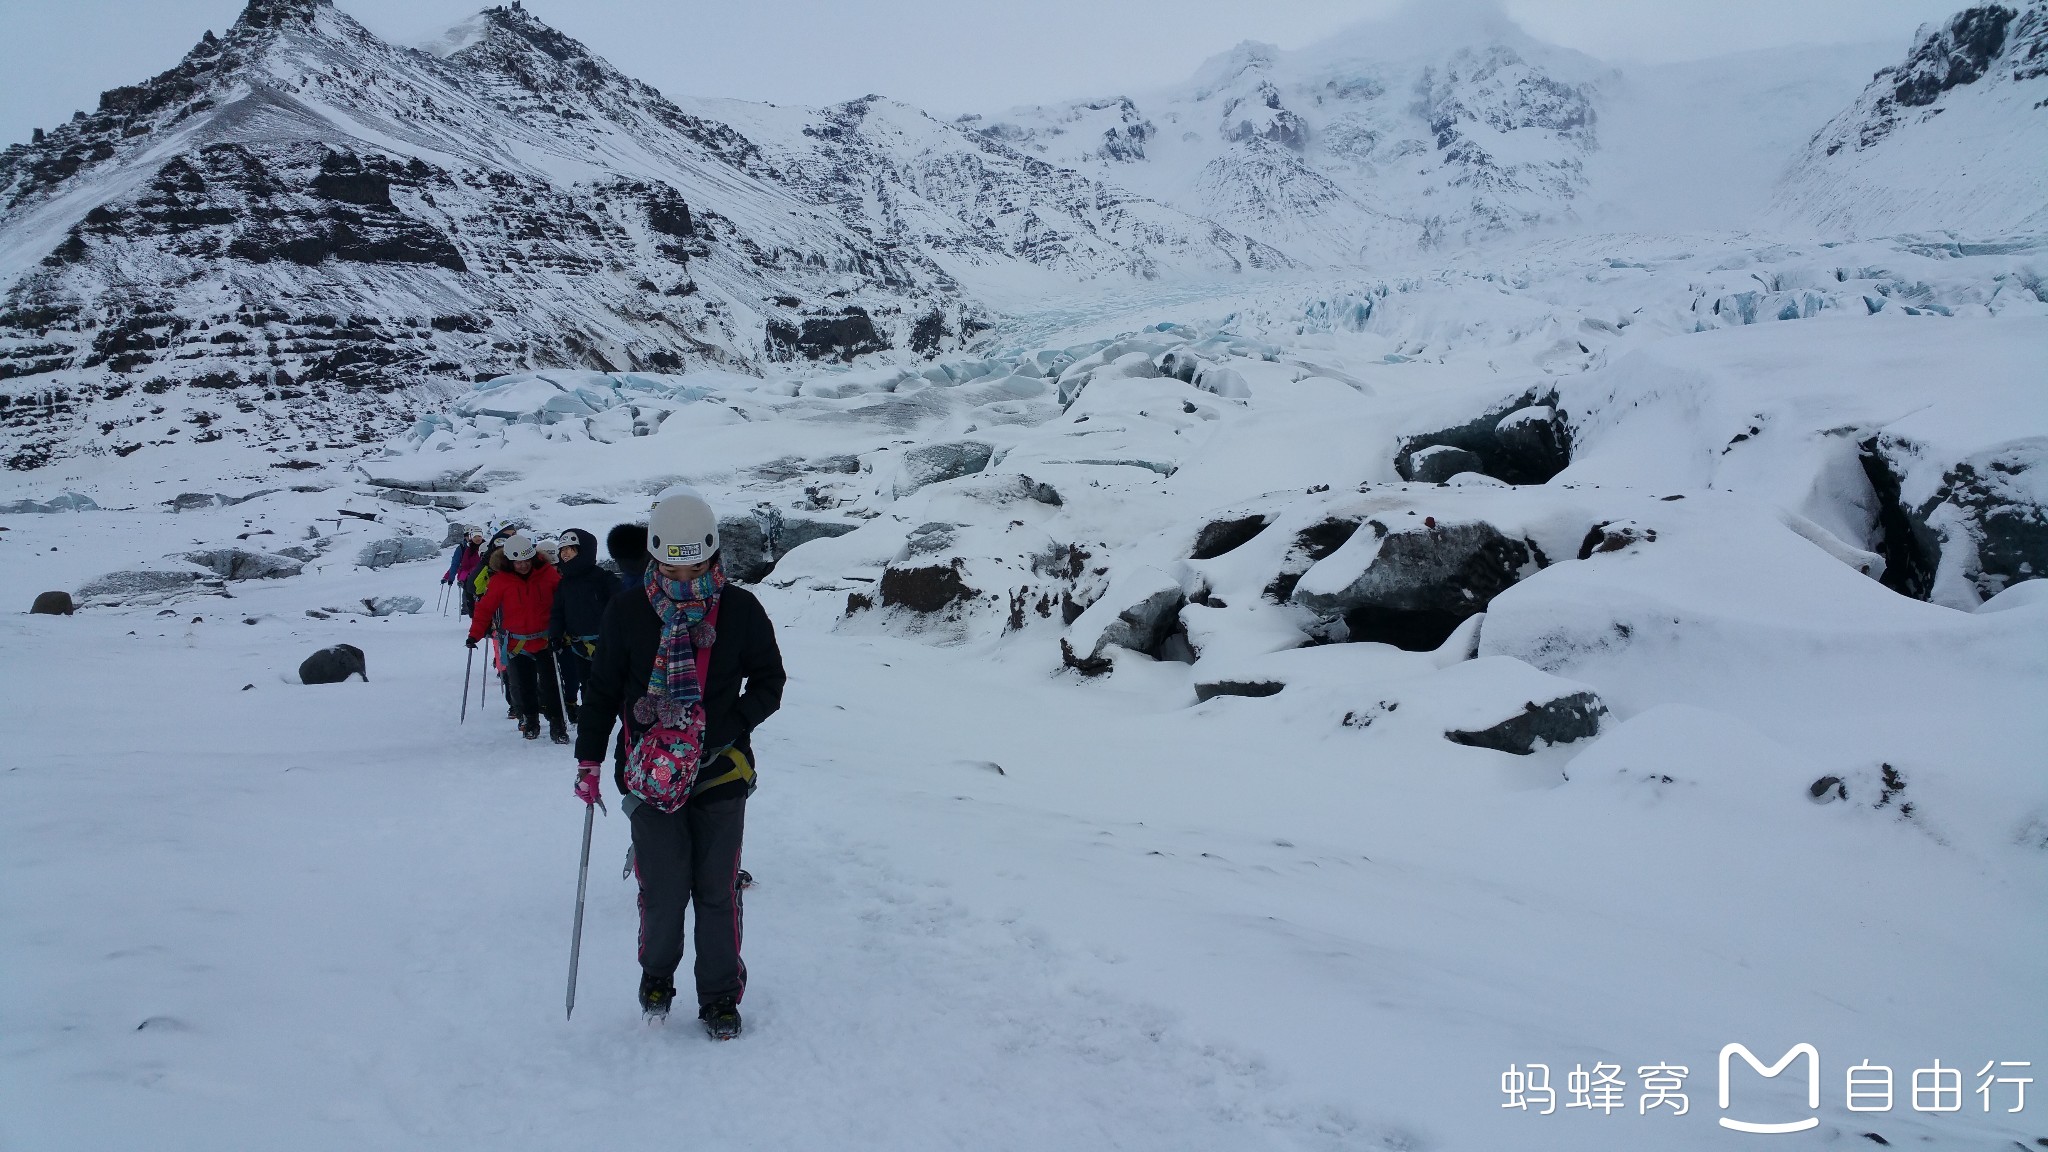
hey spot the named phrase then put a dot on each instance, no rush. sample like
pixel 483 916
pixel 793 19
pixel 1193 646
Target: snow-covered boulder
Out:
pixel 1440 462
pixel 2025 594
pixel 1139 611
pixel 147 585
pixel 68 502
pixel 933 463
pixel 1526 440
pixel 244 564
pixel 397 550
pixel 1412 584
pixel 422 474
pixel 392 605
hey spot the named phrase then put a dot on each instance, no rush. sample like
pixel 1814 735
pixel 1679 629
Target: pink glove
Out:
pixel 587 788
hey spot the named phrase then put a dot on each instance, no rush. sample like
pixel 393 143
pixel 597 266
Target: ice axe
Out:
pixel 467 664
pixel 582 881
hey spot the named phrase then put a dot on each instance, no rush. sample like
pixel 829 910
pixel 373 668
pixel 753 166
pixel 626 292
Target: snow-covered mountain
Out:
pixel 1955 138
pixel 1439 127
pixel 304 222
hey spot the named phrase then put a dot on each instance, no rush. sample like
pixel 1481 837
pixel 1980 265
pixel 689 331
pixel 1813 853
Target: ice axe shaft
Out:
pixel 576 933
pixel 467 665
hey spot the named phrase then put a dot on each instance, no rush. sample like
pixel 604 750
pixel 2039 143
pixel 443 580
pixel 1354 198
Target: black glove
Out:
pixel 469 643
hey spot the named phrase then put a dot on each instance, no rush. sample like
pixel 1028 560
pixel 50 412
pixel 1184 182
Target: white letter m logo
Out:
pixel 1785 1061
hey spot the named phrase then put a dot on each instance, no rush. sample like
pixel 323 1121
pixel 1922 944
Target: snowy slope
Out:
pixel 1439 127
pixel 333 916
pixel 1954 139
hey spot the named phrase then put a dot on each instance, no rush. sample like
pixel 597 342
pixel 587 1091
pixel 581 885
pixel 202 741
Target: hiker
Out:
pixel 689 664
pixel 580 601
pixel 479 584
pixel 522 594
pixel 627 544
pixel 468 557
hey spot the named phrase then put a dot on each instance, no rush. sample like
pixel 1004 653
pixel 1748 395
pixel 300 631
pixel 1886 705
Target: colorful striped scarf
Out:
pixel 683 605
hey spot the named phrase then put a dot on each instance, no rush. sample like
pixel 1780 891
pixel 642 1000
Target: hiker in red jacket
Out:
pixel 521 595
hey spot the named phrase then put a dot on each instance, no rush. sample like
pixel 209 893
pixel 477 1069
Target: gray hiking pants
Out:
pixel 685 857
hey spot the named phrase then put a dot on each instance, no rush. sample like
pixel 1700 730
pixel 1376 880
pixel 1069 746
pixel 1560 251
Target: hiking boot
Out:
pixel 656 994
pixel 744 880
pixel 530 729
pixel 557 733
pixel 511 711
pixel 721 1018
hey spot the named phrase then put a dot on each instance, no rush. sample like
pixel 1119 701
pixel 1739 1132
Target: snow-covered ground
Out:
pixel 1009 902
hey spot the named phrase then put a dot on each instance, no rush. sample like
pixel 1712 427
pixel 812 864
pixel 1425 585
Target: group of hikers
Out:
pixel 687 665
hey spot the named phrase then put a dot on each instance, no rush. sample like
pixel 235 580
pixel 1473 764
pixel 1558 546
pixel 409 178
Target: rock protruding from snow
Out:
pixel 146 585
pixel 393 605
pixel 1526 441
pixel 1551 710
pixel 1959 532
pixel 397 550
pixel 243 564
pixel 68 502
pixel 334 665
pixel 933 463
pixel 1139 611
pixel 1412 584
pixel 1439 462
pixel 53 604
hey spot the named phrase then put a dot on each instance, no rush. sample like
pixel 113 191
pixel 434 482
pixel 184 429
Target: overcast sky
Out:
pixel 946 55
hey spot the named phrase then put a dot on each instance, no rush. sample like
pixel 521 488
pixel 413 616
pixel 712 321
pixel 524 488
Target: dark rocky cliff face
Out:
pixel 301 234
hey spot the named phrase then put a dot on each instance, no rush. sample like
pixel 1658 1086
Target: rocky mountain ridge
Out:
pixel 320 229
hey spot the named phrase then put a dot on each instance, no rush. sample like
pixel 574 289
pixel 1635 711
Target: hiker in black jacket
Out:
pixel 580 601
pixel 684 760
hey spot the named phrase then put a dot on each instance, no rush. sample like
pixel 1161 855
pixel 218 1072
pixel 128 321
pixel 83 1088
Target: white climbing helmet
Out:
pixel 519 548
pixel 681 527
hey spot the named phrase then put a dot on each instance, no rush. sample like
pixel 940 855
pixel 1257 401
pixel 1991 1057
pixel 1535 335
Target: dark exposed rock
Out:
pixel 1254 688
pixel 1985 526
pixel 1220 536
pixel 1827 789
pixel 928 332
pixel 1532 441
pixel 1423 583
pixel 1614 536
pixel 743 548
pixel 53 604
pixel 933 463
pixel 1560 721
pixel 1525 442
pixel 794 531
pixel 334 665
pixel 242 564
pixel 1440 462
pixel 842 337
pixel 752 544
pixel 1311 545
pixel 927 589
pixel 1959 54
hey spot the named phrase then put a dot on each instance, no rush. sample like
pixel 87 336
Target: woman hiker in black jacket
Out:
pixel 580 601
pixel 683 761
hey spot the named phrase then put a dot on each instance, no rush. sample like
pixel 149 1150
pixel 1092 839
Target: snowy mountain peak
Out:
pixel 1435 126
pixel 1951 138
